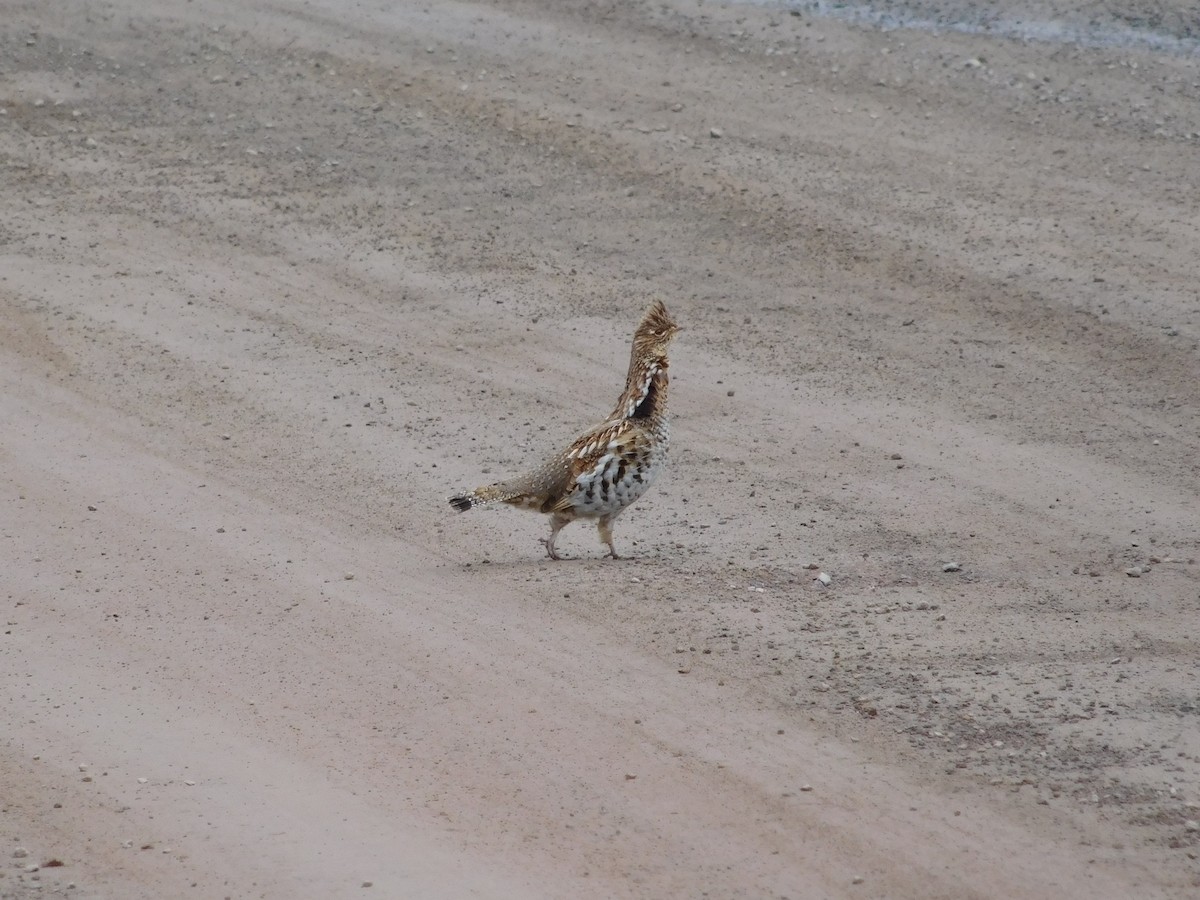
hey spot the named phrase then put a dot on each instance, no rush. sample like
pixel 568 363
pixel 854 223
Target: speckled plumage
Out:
pixel 610 465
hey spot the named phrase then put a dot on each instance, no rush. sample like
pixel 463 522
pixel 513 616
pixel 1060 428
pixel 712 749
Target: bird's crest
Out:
pixel 655 330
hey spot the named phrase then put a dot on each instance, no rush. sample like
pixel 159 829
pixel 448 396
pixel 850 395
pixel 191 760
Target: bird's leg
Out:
pixel 557 523
pixel 604 526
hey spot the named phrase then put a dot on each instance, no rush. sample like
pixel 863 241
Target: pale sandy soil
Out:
pixel 277 278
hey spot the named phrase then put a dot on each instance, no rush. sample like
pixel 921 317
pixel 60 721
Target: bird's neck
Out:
pixel 645 394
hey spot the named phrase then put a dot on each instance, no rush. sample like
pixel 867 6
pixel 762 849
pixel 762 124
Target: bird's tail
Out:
pixel 482 496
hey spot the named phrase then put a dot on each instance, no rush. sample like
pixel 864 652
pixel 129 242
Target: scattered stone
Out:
pixel 1134 571
pixel 951 567
pixel 824 579
pixel 806 787
pixel 1192 825
pixel 715 132
pixel 142 781
pixel 349 576
pixel 20 853
pixel 857 879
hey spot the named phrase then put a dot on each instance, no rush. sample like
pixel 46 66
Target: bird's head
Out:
pixel 654 333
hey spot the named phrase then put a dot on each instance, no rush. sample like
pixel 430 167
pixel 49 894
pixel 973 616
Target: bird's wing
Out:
pixel 595 449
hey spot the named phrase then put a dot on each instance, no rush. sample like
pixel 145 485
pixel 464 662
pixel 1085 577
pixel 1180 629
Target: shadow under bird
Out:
pixel 610 465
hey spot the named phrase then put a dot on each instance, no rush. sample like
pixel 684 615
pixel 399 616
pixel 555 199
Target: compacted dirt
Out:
pixel 278 278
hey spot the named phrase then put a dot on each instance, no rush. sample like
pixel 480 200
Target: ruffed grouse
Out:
pixel 611 465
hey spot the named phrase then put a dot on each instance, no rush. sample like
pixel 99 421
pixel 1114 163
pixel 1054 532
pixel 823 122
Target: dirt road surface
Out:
pixel 278 278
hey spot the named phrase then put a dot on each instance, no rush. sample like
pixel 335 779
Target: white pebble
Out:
pixel 951 567
pixel 20 853
pixel 824 579
pixel 1134 571
pixel 715 132
pixel 1192 825
pixel 142 780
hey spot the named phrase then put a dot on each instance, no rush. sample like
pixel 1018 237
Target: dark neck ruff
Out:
pixel 655 400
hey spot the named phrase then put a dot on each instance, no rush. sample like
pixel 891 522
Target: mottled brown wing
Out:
pixel 591 451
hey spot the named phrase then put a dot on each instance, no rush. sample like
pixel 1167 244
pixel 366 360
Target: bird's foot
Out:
pixel 550 551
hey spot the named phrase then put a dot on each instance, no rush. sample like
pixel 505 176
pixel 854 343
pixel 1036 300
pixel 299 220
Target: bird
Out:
pixel 610 465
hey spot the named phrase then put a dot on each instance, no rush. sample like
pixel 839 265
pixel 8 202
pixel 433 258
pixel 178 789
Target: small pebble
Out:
pixel 951 567
pixel 1192 825
pixel 1134 571
pixel 715 132
pixel 349 576
pixel 142 781
pixel 857 879
pixel 824 579
pixel 20 853
pixel 806 787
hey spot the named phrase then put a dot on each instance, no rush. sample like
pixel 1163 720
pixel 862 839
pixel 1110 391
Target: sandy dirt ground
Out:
pixel 278 278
